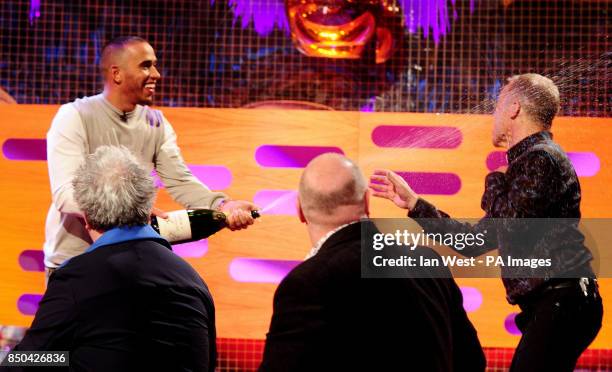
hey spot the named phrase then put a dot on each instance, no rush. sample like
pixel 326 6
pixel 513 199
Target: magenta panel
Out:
pixel 277 202
pixel 411 136
pixel 25 149
pixel 28 303
pixel 32 260
pixel 496 159
pixel 510 325
pixel 216 177
pixel 432 183
pixel 586 164
pixel 277 156
pixel 255 270
pixel 472 298
pixel 195 249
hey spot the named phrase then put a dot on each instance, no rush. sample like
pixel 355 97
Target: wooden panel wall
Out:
pixel 230 138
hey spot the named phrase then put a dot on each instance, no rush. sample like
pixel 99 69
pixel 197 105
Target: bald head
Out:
pixel 332 191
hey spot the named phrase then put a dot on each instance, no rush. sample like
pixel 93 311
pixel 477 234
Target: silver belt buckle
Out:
pixel 584 282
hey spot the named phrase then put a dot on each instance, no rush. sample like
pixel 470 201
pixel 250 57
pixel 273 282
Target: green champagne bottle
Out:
pixel 192 224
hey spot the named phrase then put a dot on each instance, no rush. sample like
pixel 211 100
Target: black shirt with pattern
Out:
pixel 540 182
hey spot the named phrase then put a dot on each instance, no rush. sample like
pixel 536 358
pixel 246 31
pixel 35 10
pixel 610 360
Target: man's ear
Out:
pixel 515 109
pixel 301 212
pixel 116 73
pixel 87 224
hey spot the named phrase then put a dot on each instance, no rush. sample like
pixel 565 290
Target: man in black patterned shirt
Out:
pixel 561 307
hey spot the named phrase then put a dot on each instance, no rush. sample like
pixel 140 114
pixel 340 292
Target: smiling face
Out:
pixel 139 73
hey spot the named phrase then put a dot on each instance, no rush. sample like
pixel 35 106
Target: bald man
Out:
pixel 327 318
pixel 120 116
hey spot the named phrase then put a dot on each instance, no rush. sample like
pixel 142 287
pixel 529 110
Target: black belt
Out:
pixel 586 285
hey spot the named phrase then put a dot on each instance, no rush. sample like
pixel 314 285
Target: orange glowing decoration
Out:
pixel 345 28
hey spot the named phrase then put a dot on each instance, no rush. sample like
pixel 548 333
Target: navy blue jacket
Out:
pixel 127 305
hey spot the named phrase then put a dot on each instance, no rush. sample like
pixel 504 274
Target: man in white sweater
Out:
pixel 120 116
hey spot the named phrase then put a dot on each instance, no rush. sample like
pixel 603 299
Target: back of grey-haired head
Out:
pixel 322 200
pixel 538 95
pixel 113 189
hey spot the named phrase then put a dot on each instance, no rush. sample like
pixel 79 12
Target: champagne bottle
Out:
pixel 189 225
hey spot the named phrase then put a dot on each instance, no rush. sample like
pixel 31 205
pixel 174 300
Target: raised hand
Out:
pixel 389 185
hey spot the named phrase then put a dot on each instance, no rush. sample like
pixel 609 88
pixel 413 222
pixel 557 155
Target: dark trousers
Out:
pixel 557 326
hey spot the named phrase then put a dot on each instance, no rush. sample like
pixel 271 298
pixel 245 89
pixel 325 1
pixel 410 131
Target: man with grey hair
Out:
pixel 561 307
pixel 526 105
pixel 128 303
pixel 327 318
